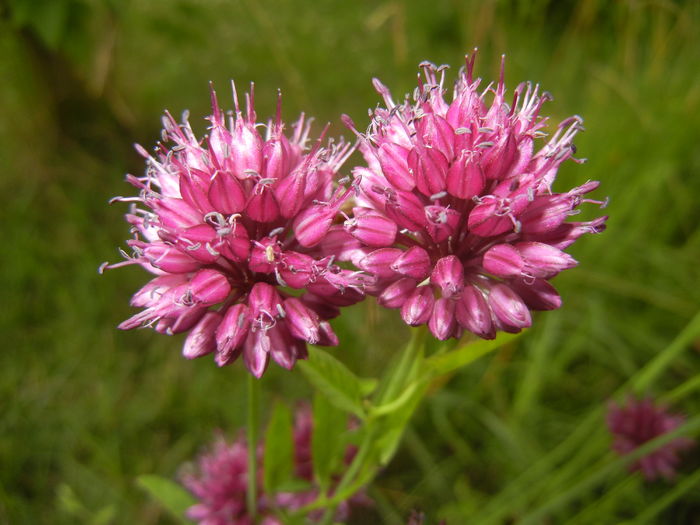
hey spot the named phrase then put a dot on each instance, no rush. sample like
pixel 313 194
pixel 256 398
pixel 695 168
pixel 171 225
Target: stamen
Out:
pixel 219 219
pixel 280 281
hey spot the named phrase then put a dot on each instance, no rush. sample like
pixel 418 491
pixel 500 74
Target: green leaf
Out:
pixel 330 424
pixel 403 369
pixel 279 452
pixel 462 356
pixel 368 385
pixel 169 494
pixel 104 516
pixel 335 380
pixel 68 501
pixel 394 424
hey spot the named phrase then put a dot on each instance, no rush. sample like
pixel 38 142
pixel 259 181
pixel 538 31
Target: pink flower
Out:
pixel 219 482
pixel 220 485
pixel 455 216
pixel 637 422
pixel 418 518
pixel 229 222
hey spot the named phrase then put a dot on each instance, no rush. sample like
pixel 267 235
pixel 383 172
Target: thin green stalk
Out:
pixel 518 491
pixel 531 481
pixel 252 436
pixel 350 473
pixel 386 509
pixel 593 509
pixel 605 470
pixel 394 393
pixel 682 390
pixel 425 460
pixel 658 365
pixel 664 501
pixel 403 367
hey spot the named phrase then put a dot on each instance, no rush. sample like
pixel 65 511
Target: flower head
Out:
pixel 220 485
pixel 229 223
pixel 637 422
pixel 418 518
pixel 219 482
pixel 456 217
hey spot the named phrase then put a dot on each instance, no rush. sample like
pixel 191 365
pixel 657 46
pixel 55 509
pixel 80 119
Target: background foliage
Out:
pixel 86 409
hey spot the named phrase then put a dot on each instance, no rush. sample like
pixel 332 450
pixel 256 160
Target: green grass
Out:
pixel 517 436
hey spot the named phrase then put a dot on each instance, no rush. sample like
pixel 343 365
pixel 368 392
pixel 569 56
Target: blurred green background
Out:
pixel 86 408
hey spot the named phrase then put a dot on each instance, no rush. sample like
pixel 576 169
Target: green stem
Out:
pixel 354 468
pixel 660 363
pixel 252 436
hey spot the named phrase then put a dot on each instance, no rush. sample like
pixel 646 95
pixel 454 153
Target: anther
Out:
pixel 462 131
pixel 276 231
pixel 438 195
pixel 218 218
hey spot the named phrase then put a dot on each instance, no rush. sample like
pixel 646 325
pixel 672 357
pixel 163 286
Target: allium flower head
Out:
pixel 637 422
pixel 220 485
pixel 418 518
pixel 229 223
pixel 219 482
pixel 456 217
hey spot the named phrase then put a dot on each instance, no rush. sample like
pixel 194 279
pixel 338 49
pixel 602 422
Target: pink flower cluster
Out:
pixel 219 482
pixel 418 518
pixel 233 223
pixel 453 221
pixel 455 211
pixel 637 422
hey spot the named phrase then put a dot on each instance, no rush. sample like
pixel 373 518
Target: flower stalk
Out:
pixel 252 438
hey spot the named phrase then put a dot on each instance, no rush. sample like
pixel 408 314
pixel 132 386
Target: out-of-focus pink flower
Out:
pixel 226 222
pixel 456 217
pixel 637 422
pixel 418 518
pixel 219 482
